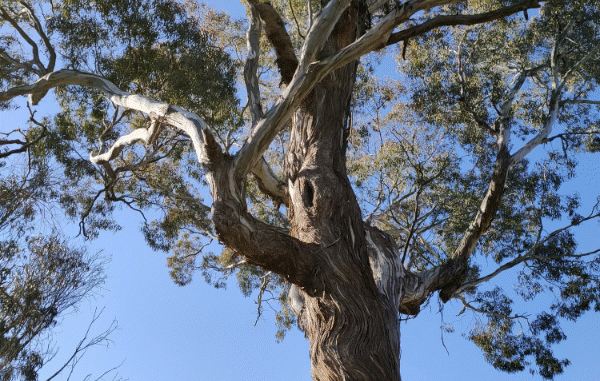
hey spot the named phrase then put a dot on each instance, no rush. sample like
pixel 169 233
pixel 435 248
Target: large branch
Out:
pixel 320 31
pixel 381 34
pixel 278 37
pixel 311 72
pixel 268 183
pixel 263 245
pixel 454 20
pixel 307 75
pixel 175 116
pixel 448 277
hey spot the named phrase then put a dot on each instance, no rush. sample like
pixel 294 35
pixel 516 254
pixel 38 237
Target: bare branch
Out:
pixel 278 37
pixel 378 36
pixel 470 306
pixel 578 64
pixel 38 27
pixel 453 20
pixel 261 291
pixel 17 65
pixel 175 116
pixel 141 134
pixel 578 101
pixel 34 48
pixel 24 145
pixel 376 4
pixel 413 225
pixel 84 344
pixel 542 136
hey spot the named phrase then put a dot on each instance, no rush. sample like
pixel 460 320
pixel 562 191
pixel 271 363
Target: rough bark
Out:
pixel 261 244
pixel 352 326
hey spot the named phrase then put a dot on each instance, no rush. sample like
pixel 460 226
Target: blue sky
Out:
pixel 196 332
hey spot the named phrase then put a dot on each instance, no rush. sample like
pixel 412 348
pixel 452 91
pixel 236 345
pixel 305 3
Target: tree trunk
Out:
pixel 352 326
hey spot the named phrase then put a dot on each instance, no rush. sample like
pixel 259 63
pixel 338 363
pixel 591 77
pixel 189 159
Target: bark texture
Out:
pixel 352 326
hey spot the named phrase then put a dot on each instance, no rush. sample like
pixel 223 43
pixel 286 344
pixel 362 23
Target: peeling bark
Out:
pixel 261 244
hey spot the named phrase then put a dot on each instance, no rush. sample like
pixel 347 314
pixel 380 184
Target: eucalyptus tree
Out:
pixel 393 190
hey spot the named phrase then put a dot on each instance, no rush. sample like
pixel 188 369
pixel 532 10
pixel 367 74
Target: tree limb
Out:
pixel 269 184
pixel 528 256
pixel 263 245
pixel 453 20
pixel 490 313
pixel 320 31
pixel 542 136
pixel 279 38
pixel 251 66
pixel 448 277
pixel 140 134
pixel 38 27
pixel 309 73
pixel 578 101
pixel 260 243
pixel 34 48
pixel 84 344
pixel 175 116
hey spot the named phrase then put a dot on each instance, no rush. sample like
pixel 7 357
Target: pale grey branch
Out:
pixel 320 31
pixel 175 116
pixel 141 134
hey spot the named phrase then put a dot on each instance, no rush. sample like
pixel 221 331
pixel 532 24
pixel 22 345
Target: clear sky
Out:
pixel 196 332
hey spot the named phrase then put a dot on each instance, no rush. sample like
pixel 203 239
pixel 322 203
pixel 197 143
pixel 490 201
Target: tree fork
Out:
pixel 261 244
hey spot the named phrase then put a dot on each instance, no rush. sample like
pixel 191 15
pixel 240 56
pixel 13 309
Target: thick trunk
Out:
pixel 352 326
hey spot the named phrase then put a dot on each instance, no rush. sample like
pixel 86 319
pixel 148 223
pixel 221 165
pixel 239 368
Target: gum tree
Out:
pixel 393 191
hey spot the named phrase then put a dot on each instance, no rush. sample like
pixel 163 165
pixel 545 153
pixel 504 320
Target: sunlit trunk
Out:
pixel 352 327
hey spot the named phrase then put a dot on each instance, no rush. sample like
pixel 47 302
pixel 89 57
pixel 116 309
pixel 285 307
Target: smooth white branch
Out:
pixel 175 116
pixel 141 134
